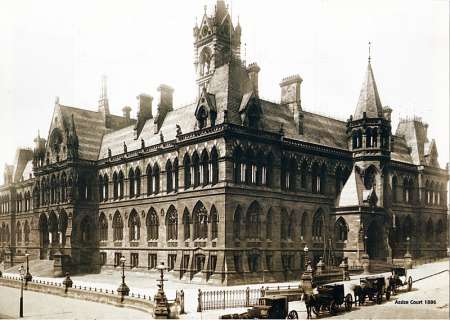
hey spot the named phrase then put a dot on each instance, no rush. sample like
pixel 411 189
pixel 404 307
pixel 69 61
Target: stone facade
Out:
pixel 230 189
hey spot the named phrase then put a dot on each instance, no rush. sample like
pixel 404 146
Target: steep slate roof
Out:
pixel 90 127
pixel 183 116
pixel 369 100
pixel 23 157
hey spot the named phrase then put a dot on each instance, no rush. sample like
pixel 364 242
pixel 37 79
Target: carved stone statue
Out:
pixel 179 132
pixel 161 136
pixel 124 147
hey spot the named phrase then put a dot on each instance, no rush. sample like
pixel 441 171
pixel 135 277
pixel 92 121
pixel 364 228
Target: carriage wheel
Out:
pixel 388 294
pixel 348 302
pixel 333 307
pixel 409 283
pixel 292 315
pixel 379 297
pixel 316 309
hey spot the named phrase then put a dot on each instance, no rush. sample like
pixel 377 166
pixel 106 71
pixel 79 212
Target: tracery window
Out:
pixel 152 223
pixel 172 223
pixel 117 227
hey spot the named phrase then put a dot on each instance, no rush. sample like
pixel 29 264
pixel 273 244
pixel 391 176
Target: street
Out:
pixel 46 306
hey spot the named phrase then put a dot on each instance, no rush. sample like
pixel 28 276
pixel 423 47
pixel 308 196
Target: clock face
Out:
pixel 205 31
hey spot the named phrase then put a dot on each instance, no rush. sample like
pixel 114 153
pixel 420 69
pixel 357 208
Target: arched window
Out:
pixel 134 225
pixel 354 139
pixel 85 230
pixel 214 166
pixel 105 187
pixel 152 223
pixel 169 176
pixel 375 138
pixel 53 227
pixel 172 223
pixel 200 217
pixel 187 171
pixel 103 225
pixel 269 222
pixel 250 168
pixel 304 174
pixel 204 169
pixel 317 226
pixel 117 227
pixel 239 166
pixel 394 188
pixel 137 182
pixel 316 185
pixel 115 186
pixel 156 178
pixel 149 180
pixel 237 223
pixel 100 188
pixel 359 138
pixel 186 224
pixel 253 221
pixel 121 184
pixel 340 229
pixel 62 225
pixel 303 225
pixel 214 218
pixel 267 181
pixel 18 232
pixel 284 174
pixel 284 224
pixel 175 174
pixel 293 175
pixel 369 137
pixel 195 171
pixel 27 232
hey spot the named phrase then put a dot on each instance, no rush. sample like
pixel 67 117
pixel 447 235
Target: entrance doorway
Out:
pixel 375 241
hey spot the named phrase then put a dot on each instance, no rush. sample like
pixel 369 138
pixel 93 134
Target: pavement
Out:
pixel 436 288
pixel 45 306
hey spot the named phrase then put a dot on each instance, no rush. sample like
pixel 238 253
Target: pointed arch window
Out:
pixel 195 170
pixel 186 224
pixel 169 176
pixel 103 224
pixel 303 174
pixel 291 227
pixel 149 173
pixel 187 171
pixel 115 186
pixel 205 169
pixel 237 223
pixel 214 218
pixel 121 184
pixel 27 232
pixel 100 188
pixel 341 229
pixel 117 227
pixel 317 226
pixel 152 223
pixel 137 182
pixel 172 223
pixel 156 175
pixel 284 224
pixel 303 226
pixel 253 221
pixel 238 172
pixel 18 232
pixel 214 171
pixel 315 173
pixel 200 217
pixel 134 225
pixel 131 183
pixel 175 174
pixel 394 188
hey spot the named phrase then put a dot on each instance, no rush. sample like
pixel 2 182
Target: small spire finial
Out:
pixel 104 90
pixel 204 8
pixel 370 45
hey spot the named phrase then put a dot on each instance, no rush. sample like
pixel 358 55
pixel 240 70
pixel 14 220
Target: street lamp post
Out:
pixel 307 276
pixel 305 250
pixel 365 244
pixel 22 273
pixel 28 276
pixel 161 308
pixel 123 289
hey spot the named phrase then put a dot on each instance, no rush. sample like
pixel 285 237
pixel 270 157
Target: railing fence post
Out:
pixel 199 305
pixel 247 297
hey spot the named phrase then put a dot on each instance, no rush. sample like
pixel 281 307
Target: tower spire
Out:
pixel 370 44
pixel 103 104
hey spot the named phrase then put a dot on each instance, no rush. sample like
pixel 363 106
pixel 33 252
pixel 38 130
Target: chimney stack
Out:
pixel 165 105
pixel 253 71
pixel 144 112
pixel 290 96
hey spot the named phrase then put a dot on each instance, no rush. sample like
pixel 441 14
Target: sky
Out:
pixel 62 48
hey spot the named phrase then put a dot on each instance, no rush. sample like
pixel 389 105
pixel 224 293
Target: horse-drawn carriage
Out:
pixel 268 307
pixel 328 298
pixel 372 288
pixel 399 278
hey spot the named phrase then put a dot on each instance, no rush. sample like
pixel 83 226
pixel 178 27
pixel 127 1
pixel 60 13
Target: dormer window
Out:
pixel 202 117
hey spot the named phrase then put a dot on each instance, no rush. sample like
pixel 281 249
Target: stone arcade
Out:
pixel 229 189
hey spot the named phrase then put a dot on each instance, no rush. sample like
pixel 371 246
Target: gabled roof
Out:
pixel 369 100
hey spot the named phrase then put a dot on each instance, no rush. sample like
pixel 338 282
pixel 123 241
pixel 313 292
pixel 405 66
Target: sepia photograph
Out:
pixel 224 159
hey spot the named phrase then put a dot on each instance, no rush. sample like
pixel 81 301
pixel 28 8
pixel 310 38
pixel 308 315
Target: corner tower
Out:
pixel 216 42
pixel 362 200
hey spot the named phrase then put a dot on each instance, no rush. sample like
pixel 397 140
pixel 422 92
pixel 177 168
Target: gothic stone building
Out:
pixel 229 189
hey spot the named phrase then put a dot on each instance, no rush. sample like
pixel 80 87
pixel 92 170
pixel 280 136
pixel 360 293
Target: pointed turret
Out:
pixel 103 104
pixel 369 101
pixel 72 140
